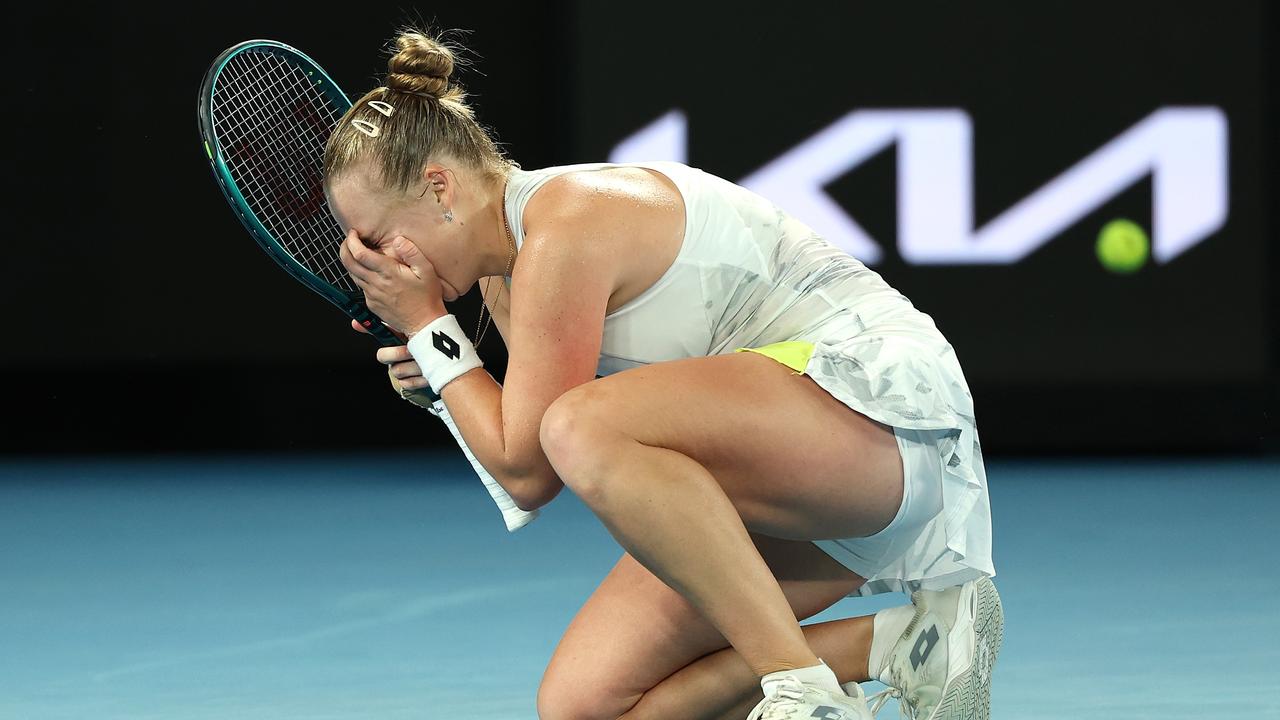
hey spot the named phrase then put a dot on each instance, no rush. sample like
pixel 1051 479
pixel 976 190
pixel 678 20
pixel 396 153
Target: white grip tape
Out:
pixel 511 514
pixel 443 352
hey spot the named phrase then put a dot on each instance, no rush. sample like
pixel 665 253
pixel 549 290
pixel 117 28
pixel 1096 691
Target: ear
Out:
pixel 440 182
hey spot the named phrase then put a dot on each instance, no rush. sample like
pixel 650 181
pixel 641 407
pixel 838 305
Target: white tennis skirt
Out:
pixel 908 378
pixel 910 552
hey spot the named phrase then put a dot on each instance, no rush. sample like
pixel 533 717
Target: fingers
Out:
pixel 346 255
pixel 416 382
pixel 407 375
pixel 362 263
pixel 408 257
pixel 411 257
pixel 358 327
pixel 406 372
pixel 403 369
pixel 396 354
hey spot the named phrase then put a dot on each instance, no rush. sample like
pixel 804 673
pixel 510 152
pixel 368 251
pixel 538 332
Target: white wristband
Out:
pixel 443 352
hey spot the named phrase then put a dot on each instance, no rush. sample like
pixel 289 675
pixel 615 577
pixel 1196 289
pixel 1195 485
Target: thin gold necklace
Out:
pixel 511 258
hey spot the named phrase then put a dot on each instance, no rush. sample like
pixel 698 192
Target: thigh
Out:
pixel 795 462
pixel 634 631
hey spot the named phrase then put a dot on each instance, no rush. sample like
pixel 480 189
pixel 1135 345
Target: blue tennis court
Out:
pixel 1055 220
pixel 386 587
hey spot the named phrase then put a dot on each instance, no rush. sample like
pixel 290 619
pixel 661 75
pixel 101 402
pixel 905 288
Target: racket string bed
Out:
pixel 275 159
pixel 313 254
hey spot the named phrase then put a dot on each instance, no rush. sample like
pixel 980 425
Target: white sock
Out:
pixel 888 627
pixel 819 675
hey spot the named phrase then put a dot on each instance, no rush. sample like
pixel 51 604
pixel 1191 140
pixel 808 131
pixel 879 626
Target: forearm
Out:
pixel 474 400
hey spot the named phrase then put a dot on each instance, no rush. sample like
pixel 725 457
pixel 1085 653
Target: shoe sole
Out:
pixel 968 695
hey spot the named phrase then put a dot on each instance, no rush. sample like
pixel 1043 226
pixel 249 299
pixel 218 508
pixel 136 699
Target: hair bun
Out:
pixel 420 66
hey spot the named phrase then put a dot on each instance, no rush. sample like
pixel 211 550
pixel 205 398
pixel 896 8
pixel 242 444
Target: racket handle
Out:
pixel 374 326
pixel 386 338
pixel 514 517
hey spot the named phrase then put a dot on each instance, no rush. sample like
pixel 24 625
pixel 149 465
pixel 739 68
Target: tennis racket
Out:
pixel 266 111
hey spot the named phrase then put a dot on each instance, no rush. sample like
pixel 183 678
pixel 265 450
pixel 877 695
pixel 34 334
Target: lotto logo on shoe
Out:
pixel 924 645
pixel 446 345
pixel 825 712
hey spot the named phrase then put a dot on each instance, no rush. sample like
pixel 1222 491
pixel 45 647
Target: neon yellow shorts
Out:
pixel 794 354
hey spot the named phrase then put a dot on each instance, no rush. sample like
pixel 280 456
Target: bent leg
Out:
pixel 679 460
pixel 635 632
pixel 720 685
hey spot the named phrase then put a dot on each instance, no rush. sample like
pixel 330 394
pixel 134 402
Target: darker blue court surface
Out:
pixel 359 587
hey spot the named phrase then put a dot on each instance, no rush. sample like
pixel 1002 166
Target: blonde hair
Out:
pixel 430 118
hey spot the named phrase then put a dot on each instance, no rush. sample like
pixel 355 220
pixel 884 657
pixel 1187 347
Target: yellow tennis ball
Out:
pixel 1123 246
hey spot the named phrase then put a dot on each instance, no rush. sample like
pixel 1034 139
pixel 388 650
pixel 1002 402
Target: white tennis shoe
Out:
pixel 941 667
pixel 790 699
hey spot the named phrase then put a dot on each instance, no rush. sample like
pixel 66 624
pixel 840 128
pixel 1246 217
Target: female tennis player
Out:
pixel 775 427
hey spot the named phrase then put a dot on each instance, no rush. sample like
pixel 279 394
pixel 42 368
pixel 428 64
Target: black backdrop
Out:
pixel 143 319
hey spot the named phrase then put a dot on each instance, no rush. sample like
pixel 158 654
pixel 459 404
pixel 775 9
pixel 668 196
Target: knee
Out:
pixel 578 438
pixel 572 699
pixel 560 701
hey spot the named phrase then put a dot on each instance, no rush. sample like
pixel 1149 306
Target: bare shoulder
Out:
pixel 620 190
pixel 626 223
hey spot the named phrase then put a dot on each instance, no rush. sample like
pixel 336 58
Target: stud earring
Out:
pixel 448 216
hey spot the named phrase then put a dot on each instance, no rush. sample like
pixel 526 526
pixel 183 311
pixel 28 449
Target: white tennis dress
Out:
pixel 748 275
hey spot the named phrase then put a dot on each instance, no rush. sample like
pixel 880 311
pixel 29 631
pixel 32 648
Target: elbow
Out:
pixel 532 490
pixel 536 497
